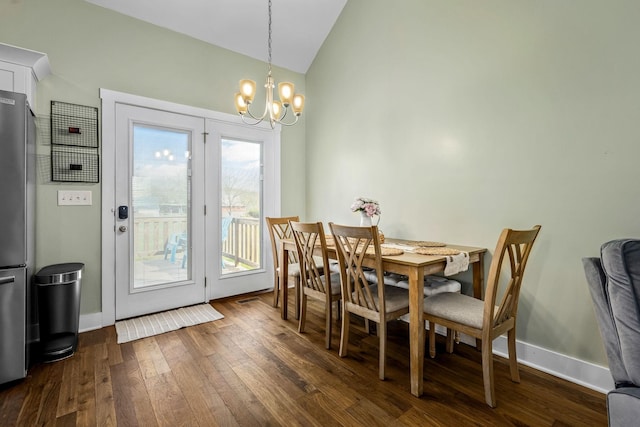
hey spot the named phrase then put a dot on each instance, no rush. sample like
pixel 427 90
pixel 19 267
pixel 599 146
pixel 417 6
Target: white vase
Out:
pixel 365 220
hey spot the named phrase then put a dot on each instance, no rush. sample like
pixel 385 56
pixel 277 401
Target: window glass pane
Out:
pixel 160 204
pixel 241 206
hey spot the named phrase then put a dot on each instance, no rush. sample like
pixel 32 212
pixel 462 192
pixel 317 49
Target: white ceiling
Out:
pixel 299 27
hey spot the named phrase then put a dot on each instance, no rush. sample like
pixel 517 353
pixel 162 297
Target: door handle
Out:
pixel 123 228
pixel 7 280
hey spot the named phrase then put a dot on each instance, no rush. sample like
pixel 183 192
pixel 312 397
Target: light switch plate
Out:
pixel 74 198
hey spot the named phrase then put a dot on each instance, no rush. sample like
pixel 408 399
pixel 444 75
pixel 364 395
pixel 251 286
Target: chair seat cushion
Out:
pixel 434 285
pixel 294 267
pixel 335 283
pixel 456 307
pixel 395 298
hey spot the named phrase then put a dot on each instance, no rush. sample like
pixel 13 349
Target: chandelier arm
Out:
pixel 290 123
pixel 245 121
pixel 261 118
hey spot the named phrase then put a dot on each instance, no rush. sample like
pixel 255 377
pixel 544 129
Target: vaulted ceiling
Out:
pixel 299 27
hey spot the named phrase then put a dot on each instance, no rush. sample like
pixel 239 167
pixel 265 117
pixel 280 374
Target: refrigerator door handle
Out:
pixel 7 280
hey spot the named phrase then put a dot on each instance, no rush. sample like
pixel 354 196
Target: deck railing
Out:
pixel 242 244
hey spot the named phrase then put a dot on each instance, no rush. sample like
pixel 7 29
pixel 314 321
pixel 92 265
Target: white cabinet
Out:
pixel 21 69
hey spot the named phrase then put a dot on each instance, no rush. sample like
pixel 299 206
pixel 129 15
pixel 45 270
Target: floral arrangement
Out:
pixel 368 206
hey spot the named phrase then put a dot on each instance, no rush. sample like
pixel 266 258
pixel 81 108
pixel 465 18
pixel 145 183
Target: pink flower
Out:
pixel 368 206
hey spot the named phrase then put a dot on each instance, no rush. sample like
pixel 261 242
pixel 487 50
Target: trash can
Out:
pixel 58 299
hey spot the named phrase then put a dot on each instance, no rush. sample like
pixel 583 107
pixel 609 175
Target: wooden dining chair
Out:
pixel 279 229
pixel 315 284
pixel 486 320
pixel 377 303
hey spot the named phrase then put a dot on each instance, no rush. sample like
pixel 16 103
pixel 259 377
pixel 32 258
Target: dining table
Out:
pixel 415 267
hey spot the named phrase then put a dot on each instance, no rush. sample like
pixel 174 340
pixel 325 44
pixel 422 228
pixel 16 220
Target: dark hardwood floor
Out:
pixel 252 369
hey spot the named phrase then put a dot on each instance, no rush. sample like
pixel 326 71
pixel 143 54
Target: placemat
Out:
pixel 383 251
pixel 436 251
pixel 424 244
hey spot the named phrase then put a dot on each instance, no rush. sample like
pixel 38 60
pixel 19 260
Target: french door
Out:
pixel 184 196
pixel 159 218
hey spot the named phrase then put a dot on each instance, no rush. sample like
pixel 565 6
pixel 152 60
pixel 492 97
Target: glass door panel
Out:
pixel 160 206
pixel 241 206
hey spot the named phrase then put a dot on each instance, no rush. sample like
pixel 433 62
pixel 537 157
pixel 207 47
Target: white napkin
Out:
pixel 456 263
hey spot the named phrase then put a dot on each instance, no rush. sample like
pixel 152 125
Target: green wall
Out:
pixel 89 48
pixel 463 117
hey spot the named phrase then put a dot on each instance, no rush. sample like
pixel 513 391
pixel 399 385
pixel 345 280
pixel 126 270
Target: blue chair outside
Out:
pixel 224 232
pixel 176 241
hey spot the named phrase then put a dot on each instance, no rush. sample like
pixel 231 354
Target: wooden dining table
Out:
pixel 415 267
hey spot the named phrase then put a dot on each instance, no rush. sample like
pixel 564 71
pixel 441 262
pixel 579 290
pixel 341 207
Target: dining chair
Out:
pixel 279 229
pixel 315 284
pixel 486 320
pixel 374 302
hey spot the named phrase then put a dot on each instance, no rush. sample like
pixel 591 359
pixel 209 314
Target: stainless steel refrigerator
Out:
pixel 17 200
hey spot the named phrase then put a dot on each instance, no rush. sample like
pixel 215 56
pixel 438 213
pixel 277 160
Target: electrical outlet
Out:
pixel 74 198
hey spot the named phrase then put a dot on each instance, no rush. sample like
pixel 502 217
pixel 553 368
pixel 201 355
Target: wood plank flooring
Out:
pixel 253 369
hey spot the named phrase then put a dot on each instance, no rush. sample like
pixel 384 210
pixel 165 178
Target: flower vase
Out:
pixel 365 220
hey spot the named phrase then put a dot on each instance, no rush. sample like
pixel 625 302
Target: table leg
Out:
pixel 478 285
pixel 478 277
pixel 416 330
pixel 284 275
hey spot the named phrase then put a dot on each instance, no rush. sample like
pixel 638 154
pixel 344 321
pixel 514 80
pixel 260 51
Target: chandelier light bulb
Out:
pixel 298 104
pixel 248 90
pixel 285 90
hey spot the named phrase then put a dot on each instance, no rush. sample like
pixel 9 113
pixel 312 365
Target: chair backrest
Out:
pixel 515 246
pixel 279 229
pixel 309 237
pixel 597 282
pixel 621 265
pixel 353 244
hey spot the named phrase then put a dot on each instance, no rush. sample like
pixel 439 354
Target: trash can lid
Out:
pixel 59 273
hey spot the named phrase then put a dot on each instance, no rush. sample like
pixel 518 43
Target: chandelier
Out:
pixel 274 111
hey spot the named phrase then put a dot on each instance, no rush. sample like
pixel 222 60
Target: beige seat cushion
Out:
pixel 335 283
pixel 294 267
pixel 396 298
pixel 457 307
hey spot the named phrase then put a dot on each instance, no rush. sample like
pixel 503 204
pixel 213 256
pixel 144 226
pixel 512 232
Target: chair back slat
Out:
pixel 309 237
pixel 279 229
pixel 352 244
pixel 516 246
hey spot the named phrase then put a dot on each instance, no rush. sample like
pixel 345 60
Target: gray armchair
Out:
pixel 614 282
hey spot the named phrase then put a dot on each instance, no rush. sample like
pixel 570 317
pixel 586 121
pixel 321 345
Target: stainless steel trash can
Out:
pixel 58 299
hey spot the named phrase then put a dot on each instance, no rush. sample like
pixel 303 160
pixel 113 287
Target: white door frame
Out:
pixel 109 100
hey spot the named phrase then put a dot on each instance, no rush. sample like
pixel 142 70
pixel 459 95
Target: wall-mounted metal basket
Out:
pixel 74 143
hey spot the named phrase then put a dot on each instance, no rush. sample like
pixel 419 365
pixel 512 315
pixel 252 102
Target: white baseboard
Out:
pixel 90 322
pixel 577 371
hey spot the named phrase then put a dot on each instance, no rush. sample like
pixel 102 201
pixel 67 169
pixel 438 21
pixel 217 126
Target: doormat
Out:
pixel 166 321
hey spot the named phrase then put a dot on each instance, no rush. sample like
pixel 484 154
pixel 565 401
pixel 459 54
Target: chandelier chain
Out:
pixel 269 40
